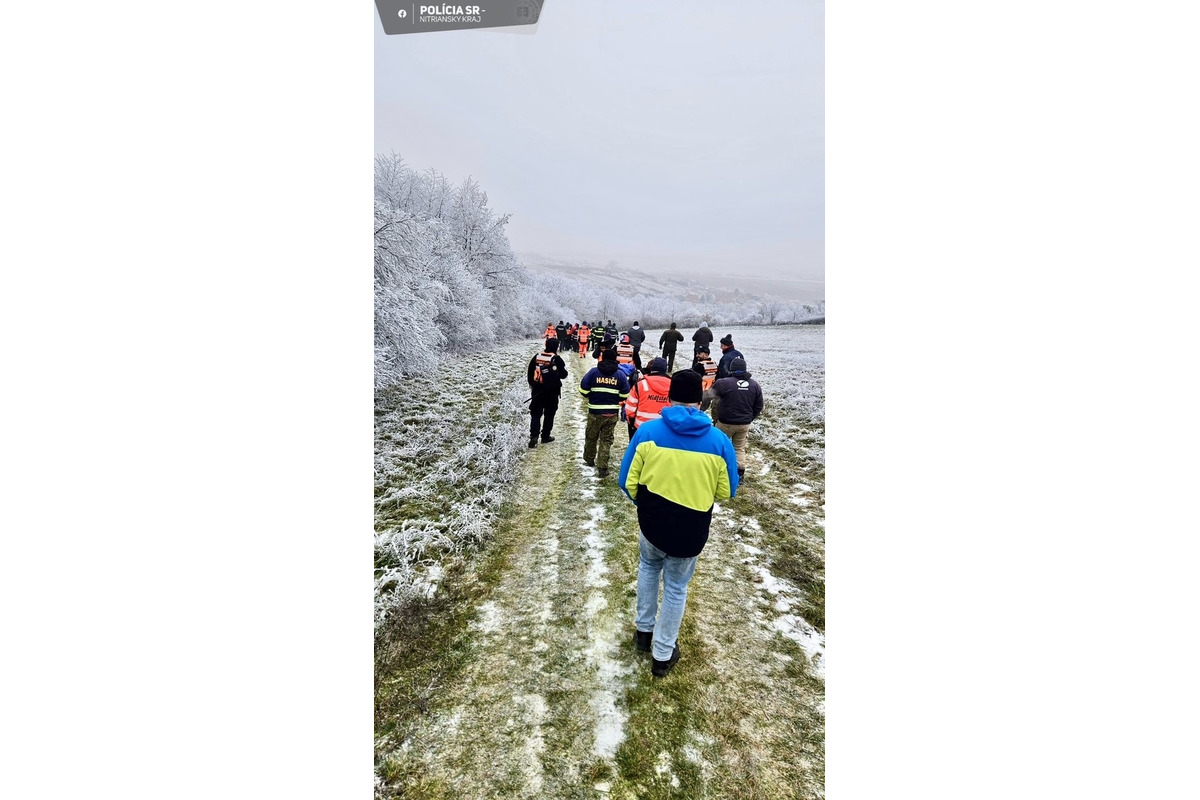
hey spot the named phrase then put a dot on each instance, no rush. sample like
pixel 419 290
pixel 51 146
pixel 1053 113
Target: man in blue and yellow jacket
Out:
pixel 605 387
pixel 673 470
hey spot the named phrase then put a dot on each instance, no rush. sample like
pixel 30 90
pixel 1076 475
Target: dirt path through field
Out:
pixel 552 700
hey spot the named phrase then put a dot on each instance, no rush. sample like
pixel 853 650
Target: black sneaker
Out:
pixel 602 472
pixel 547 439
pixel 642 640
pixel 741 472
pixel 533 443
pixel 660 668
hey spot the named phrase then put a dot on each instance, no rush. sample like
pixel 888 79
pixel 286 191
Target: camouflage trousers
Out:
pixel 598 438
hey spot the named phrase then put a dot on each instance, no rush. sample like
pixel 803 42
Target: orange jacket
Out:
pixel 550 332
pixel 647 399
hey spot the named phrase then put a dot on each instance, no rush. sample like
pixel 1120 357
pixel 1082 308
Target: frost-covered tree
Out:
pixel 447 280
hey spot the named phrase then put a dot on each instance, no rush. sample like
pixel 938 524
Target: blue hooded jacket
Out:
pixel 673 469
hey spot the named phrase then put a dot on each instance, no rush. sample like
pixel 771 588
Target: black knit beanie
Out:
pixel 552 345
pixel 608 355
pixel 686 387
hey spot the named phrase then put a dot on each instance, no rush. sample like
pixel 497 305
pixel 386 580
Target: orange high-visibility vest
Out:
pixel 625 353
pixel 551 333
pixel 710 373
pixel 648 398
pixel 540 361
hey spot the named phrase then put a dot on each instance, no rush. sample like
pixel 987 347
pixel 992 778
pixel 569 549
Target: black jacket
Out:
pixel 702 336
pixel 669 340
pixel 741 399
pixel 552 376
pixel 723 364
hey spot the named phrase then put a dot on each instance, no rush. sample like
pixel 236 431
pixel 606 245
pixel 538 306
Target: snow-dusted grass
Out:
pixel 520 678
pixel 446 448
pixel 789 363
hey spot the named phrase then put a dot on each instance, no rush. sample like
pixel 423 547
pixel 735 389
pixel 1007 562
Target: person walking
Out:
pixel 667 343
pixel 702 336
pixel 560 331
pixel 673 471
pixel 585 335
pixel 741 402
pixel 597 338
pixel 550 332
pixel 648 397
pixel 728 353
pixel 625 350
pixel 545 375
pixel 636 336
pixel 706 368
pixel 605 388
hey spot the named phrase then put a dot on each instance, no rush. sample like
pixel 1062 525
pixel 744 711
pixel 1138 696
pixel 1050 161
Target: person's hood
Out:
pixel 686 421
pixel 741 375
pixel 636 328
pixel 607 367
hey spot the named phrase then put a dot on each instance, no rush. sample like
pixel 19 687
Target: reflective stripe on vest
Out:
pixel 650 402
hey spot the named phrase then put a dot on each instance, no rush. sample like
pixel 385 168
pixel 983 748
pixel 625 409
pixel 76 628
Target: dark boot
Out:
pixel 660 668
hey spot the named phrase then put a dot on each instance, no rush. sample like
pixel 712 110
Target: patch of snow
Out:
pixel 597 569
pixel 803 487
pixel 765 470
pixel 535 745
pixel 488 620
pixel 800 501
pixel 604 787
pixel 751 549
pixel 433 577
pixel 794 627
pixel 610 720
pixel 805 635
pixel 663 767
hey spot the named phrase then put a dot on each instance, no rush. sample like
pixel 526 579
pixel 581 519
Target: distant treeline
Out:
pixel 446 280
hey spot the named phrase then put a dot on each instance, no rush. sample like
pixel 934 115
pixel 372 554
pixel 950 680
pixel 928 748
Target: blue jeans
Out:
pixel 675 573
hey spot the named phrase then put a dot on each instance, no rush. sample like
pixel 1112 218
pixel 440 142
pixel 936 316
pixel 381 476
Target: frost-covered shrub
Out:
pixel 447 451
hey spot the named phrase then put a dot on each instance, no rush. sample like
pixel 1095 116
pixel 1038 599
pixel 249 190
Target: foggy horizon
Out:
pixel 678 139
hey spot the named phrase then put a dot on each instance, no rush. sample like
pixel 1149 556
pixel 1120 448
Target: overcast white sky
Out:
pixel 671 135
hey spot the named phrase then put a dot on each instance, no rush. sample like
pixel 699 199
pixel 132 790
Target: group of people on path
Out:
pixel 679 461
